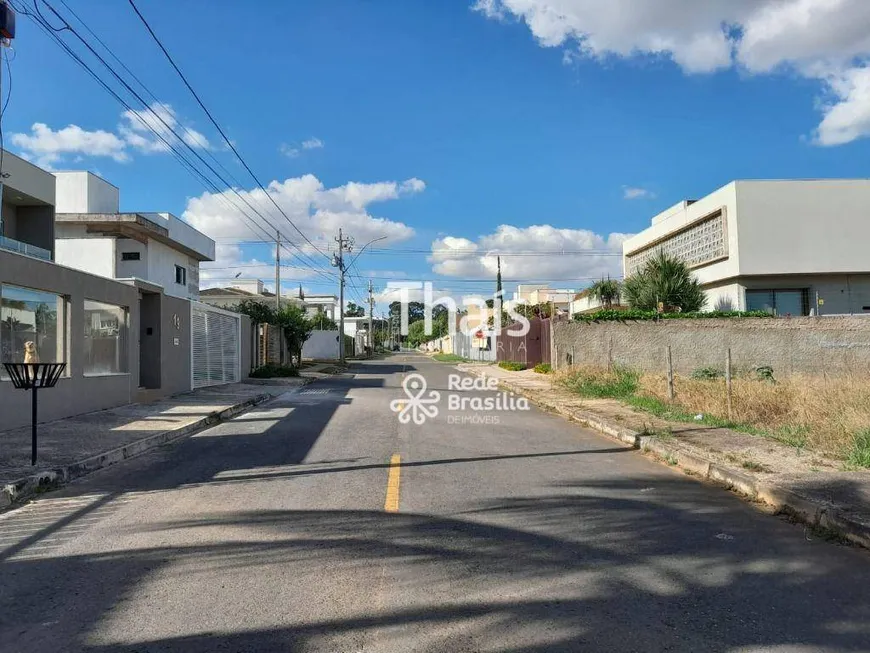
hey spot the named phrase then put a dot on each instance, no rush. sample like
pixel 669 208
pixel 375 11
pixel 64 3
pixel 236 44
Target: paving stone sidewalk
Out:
pixel 65 442
pixel 762 463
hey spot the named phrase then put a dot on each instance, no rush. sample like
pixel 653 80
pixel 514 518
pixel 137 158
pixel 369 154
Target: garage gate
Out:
pixel 216 346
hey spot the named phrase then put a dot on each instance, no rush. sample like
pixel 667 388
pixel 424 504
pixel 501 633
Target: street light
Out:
pixel 362 249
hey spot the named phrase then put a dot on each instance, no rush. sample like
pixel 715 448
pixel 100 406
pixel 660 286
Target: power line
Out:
pixel 52 32
pixel 217 126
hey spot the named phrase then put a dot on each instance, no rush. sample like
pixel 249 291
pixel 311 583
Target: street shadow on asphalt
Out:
pixel 635 564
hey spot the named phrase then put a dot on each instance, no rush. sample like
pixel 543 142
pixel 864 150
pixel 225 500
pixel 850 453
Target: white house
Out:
pixel 541 294
pixel 792 247
pixel 93 235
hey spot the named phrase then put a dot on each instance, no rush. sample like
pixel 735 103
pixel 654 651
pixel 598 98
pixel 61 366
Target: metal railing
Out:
pixel 24 248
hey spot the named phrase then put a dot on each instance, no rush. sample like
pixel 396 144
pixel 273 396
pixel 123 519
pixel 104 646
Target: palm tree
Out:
pixel 667 281
pixel 606 291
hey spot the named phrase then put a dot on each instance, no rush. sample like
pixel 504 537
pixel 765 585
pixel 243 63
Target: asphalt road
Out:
pixel 289 529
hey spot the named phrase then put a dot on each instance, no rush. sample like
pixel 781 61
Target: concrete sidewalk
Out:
pixel 75 446
pixel 808 485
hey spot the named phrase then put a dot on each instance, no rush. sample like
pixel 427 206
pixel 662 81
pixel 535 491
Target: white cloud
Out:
pixel 293 151
pixel 827 40
pixel 637 193
pixel 534 252
pixel 140 129
pixel 46 147
pixel 316 210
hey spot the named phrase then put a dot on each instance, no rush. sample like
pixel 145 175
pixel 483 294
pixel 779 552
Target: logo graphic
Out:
pixel 416 407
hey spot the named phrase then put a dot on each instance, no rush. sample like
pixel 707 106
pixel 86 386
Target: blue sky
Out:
pixel 457 118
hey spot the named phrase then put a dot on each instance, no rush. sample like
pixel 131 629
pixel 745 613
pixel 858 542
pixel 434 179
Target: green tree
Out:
pixel 667 281
pixel 415 311
pixel 607 291
pixel 322 321
pixel 354 310
pixel 297 329
pixel 416 334
pixel 530 311
pixel 258 312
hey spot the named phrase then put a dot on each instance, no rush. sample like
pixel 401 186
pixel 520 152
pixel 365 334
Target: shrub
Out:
pixel 543 368
pixel 859 456
pixel 618 383
pixel 641 316
pixel 512 366
pixel 707 374
pixel 272 371
pixel 664 280
pixel 765 373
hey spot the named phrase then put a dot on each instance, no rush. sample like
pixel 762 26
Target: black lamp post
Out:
pixel 33 376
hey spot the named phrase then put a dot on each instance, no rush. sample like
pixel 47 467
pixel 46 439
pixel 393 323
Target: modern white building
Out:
pixel 792 247
pixel 314 304
pixel 93 235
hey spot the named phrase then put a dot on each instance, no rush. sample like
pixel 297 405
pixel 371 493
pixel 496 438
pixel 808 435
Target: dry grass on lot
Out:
pixel 830 415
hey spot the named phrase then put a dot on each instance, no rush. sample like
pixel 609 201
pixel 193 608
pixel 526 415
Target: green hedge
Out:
pixel 652 316
pixel 272 371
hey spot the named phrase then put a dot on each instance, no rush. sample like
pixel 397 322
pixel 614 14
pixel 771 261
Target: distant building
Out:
pixel 584 302
pixel 316 303
pixel 795 247
pixel 93 235
pixel 541 294
pixel 242 290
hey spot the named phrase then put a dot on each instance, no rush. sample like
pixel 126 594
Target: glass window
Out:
pixel 105 338
pixel 779 302
pixel 32 326
pixel 180 275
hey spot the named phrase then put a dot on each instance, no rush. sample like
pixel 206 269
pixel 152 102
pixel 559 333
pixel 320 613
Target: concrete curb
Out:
pixel 24 488
pixel 839 520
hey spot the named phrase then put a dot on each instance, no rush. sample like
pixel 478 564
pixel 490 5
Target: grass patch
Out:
pixel 618 383
pixel 449 358
pixel 543 368
pixel 271 371
pixel 821 414
pixel 512 366
pixel 859 456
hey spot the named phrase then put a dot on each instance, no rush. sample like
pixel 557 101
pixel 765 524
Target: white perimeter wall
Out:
pixel 321 345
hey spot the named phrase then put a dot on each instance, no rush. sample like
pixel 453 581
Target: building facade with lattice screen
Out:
pixel 792 247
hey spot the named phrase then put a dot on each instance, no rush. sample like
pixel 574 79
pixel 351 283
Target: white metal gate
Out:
pixel 215 347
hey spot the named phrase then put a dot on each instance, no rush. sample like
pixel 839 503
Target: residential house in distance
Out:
pixel 315 304
pixel 542 294
pixel 791 247
pixel 243 290
pixel 93 235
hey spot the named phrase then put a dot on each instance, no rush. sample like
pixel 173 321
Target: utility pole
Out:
pixel 8 16
pixel 278 271
pixel 344 244
pixel 371 313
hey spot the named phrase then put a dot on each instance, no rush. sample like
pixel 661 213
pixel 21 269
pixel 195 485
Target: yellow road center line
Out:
pixel 392 502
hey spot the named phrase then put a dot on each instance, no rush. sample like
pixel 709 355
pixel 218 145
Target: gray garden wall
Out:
pixel 807 345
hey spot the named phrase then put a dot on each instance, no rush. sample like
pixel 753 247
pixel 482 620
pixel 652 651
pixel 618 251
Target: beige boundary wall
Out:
pixel 836 346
